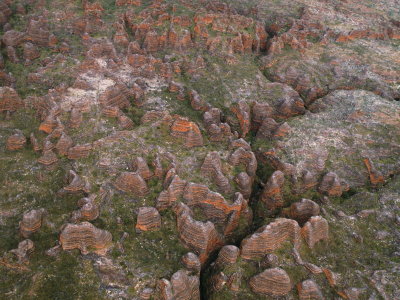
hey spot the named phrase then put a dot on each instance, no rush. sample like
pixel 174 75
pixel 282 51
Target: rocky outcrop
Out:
pixel 139 165
pixel 76 184
pixel 212 167
pixel 148 219
pixel 189 131
pixel 201 237
pixel 302 211
pixel 35 143
pixel 309 290
pixel 64 144
pixel 174 191
pixel 272 282
pixel 79 151
pixel 270 129
pixel 25 248
pixel 269 238
pixel 117 95
pixel 31 52
pixel 48 158
pixel 315 230
pixel 242 112
pixel 16 141
pixel 85 237
pixel 9 99
pixel 272 192
pixel 130 182
pixel 228 255
pixel 31 222
pixel 191 262
pixel 88 210
pixel 37 32
pixel 245 157
pixel 331 185
pixel 245 183
pixel 375 177
pixel 181 287
pixel 76 118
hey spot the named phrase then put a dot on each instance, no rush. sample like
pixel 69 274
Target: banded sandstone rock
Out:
pixel 246 157
pixel 139 165
pixel 273 282
pixel 202 238
pixel 64 144
pixel 117 95
pixel 189 131
pixel 270 129
pixel 212 167
pixel 16 141
pixel 302 211
pixel 244 182
pixel 191 262
pixel 272 192
pixel 76 184
pixel 269 238
pixel 79 151
pixel 315 230
pixel 48 158
pixel 130 182
pixel 174 191
pixel 309 290
pixel 88 210
pixel 148 219
pixel 331 185
pixel 85 237
pixel 9 99
pixel 242 112
pixel 31 222
pixel 34 142
pixel 181 287
pixel 228 255
pixel 375 176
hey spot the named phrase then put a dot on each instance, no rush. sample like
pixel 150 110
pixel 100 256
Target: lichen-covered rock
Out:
pixel 16 141
pixel 201 237
pixel 269 238
pixel 309 290
pixel 273 282
pixel 148 219
pixel 315 230
pixel 131 182
pixel 189 131
pixel 31 222
pixel 9 99
pixel 302 211
pixel 228 255
pixel 272 192
pixel 85 237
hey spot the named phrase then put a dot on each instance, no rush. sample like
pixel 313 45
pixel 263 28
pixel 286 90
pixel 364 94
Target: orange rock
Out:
pixel 140 166
pixel 31 222
pixel 303 211
pixel 191 262
pixel 274 282
pixel 269 238
pixel 9 99
pixel 48 158
pixel 148 219
pixel 169 196
pixel 85 237
pixel 309 290
pixel 64 144
pixel 79 151
pixel 331 185
pixel 242 111
pixel 16 141
pixel 130 182
pixel 189 131
pixel 88 210
pixel 332 277
pixel 375 176
pixel 315 230
pixel 272 192
pixel 76 184
pixel 246 157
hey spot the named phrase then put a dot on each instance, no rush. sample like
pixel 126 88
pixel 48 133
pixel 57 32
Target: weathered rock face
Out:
pixel 191 262
pixel 148 219
pixel 117 95
pixel 212 167
pixel 189 131
pixel 37 32
pixel 25 248
pixel 246 157
pixel 269 238
pixel 270 129
pixel 273 282
pixel 375 176
pixel 202 238
pixel 9 99
pixel 169 196
pixel 130 182
pixel 227 255
pixel 48 158
pixel 79 151
pixel 76 184
pixel 242 112
pixel 140 166
pixel 16 141
pixel 272 192
pixel 31 222
pixel 181 287
pixel 308 289
pixel 315 230
pixel 302 211
pixel 88 210
pixel 85 237
pixel 64 144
